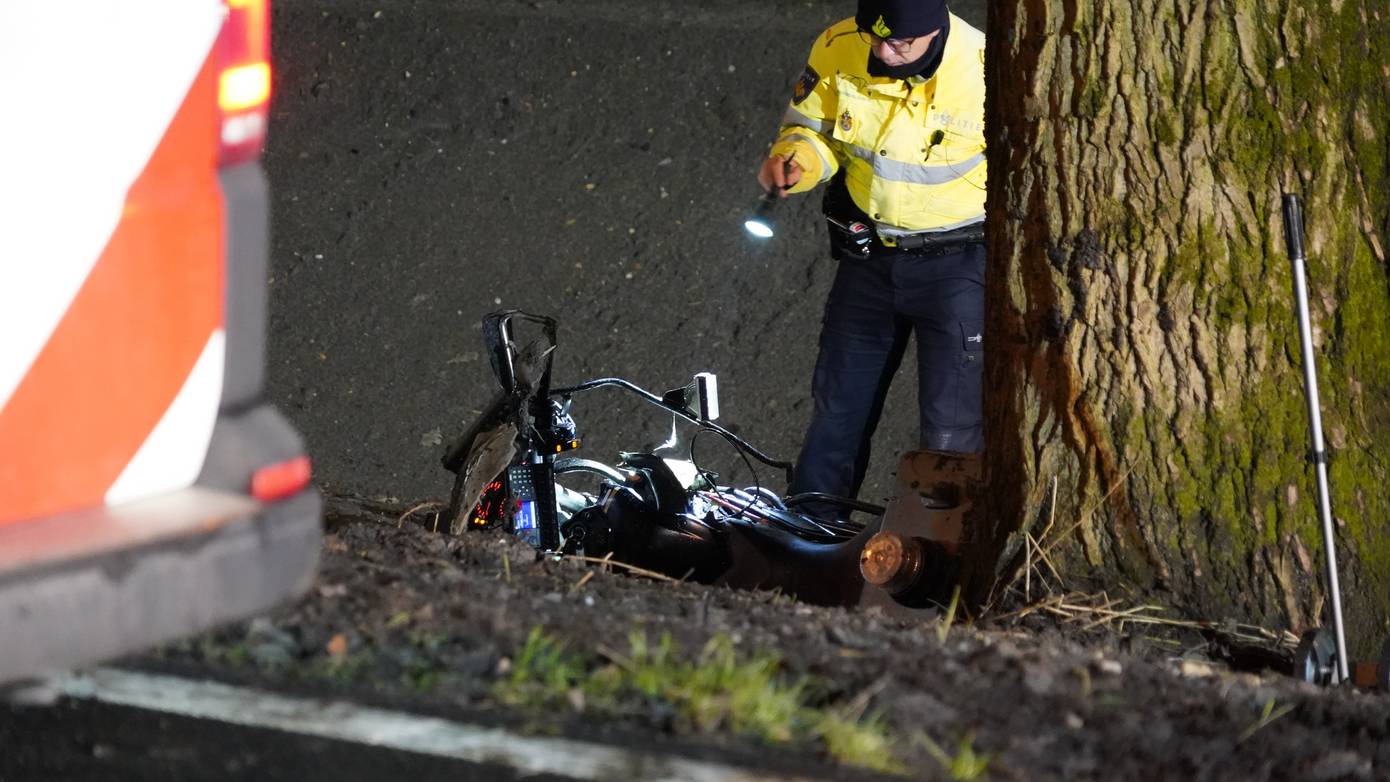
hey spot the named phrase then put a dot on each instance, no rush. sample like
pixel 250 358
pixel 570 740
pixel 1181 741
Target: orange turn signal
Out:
pixel 244 87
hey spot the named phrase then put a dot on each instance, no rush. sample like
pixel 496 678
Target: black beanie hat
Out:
pixel 901 18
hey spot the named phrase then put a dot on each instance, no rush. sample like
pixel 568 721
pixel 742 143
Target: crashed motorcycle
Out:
pixel 660 509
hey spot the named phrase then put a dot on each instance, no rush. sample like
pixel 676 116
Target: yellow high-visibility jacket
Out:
pixel 913 152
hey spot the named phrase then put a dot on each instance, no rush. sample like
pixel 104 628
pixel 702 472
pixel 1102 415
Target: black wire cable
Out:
pixel 709 477
pixel 816 531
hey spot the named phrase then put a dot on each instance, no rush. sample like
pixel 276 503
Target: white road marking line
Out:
pixel 346 721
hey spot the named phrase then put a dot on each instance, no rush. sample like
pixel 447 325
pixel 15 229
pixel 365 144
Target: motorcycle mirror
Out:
pixel 700 398
pixel 707 395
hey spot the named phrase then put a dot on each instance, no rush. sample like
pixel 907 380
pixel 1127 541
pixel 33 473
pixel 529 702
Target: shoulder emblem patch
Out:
pixel 846 121
pixel 808 81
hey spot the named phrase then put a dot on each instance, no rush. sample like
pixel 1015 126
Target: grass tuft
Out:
pixel 543 668
pixel 1268 715
pixel 716 690
pixel 966 765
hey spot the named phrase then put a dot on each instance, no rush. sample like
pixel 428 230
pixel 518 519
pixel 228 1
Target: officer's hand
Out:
pixel 779 172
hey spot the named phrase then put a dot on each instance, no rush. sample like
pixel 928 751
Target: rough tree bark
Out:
pixel 1144 349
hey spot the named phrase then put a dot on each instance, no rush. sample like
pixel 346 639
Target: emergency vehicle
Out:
pixel 146 489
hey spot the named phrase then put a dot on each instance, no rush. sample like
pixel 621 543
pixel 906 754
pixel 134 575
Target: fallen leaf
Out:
pixel 330 591
pixel 337 646
pixel 1197 669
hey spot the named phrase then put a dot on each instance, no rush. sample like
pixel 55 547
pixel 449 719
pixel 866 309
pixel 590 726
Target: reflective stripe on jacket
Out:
pixel 913 152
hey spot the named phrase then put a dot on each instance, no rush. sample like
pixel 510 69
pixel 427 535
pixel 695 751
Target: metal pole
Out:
pixel 1293 233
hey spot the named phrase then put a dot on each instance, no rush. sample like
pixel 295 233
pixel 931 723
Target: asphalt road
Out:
pixel 434 160
pixel 115 724
pixel 83 741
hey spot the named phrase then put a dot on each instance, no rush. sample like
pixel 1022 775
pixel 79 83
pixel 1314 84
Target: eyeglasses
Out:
pixel 898 45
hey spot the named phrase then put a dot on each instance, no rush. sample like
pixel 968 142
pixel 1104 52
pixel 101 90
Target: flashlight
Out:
pixel 760 224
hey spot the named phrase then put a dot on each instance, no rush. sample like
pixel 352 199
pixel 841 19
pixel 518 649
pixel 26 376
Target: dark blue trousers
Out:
pixel 875 304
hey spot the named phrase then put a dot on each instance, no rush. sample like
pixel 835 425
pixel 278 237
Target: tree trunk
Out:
pixel 1144 349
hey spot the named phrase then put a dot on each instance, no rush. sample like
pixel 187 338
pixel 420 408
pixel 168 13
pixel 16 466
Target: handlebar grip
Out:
pixel 1293 226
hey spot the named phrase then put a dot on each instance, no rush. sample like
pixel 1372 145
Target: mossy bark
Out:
pixel 1144 350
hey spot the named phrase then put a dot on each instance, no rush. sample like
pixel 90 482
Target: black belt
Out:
pixel 929 241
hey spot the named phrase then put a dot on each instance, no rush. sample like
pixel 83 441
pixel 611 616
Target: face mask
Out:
pixel 924 66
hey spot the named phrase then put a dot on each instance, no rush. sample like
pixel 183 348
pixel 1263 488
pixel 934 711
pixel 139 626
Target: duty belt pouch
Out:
pixel 942 242
pixel 851 231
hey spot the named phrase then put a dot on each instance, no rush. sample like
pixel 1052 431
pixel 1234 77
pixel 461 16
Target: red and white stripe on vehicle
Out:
pixel 112 239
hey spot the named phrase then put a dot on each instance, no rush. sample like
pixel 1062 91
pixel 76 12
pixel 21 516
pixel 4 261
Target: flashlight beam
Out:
pixel 758 228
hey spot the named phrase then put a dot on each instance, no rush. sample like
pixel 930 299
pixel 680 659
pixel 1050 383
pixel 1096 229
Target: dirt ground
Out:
pixel 406 614
pixel 432 160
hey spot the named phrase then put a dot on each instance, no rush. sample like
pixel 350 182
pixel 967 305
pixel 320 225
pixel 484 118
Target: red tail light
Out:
pixel 243 91
pixel 280 480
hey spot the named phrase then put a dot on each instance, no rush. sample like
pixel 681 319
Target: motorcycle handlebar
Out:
pixel 681 412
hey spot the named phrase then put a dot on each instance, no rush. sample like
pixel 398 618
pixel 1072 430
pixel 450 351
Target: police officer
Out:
pixel 889 114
